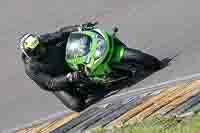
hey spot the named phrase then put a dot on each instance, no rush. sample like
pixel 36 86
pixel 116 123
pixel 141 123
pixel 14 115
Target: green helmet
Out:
pixel 29 45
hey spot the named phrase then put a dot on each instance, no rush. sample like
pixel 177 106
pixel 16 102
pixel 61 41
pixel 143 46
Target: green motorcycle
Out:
pixel 97 53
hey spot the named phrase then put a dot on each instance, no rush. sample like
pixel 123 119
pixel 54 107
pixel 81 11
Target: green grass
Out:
pixel 159 125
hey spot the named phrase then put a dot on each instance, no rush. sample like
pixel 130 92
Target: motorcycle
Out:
pixel 98 54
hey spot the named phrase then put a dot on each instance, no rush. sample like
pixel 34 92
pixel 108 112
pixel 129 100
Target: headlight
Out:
pixel 101 46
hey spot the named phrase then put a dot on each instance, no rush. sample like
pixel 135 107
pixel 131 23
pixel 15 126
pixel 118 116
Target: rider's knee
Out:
pixel 76 105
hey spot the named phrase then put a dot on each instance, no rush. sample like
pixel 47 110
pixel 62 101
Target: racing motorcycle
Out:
pixel 98 54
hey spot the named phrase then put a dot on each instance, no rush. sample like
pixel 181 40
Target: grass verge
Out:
pixel 159 125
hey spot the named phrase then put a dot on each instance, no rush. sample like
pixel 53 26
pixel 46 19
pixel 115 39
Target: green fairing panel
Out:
pixel 118 52
pixel 115 55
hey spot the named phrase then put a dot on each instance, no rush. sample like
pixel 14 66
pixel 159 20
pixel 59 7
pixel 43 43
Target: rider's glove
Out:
pixel 69 28
pixel 85 26
pixel 65 81
pixel 88 25
pixel 76 76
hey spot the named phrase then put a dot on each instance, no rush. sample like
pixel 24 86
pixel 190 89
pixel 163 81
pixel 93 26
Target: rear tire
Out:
pixel 75 103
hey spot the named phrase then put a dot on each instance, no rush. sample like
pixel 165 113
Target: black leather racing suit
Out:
pixel 49 72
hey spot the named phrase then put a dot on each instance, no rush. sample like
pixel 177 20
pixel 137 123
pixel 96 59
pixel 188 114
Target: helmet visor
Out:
pixel 31 42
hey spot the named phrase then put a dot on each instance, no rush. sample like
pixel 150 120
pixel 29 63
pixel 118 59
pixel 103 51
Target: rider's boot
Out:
pixel 136 56
pixel 97 95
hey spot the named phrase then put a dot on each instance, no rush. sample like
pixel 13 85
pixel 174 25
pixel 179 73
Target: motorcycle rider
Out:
pixel 43 58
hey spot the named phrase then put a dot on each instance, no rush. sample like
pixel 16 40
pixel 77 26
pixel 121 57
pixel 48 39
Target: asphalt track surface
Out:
pixel 159 27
